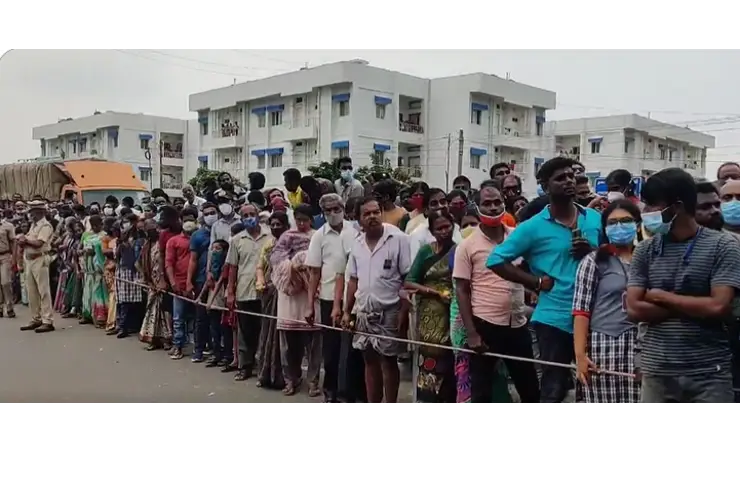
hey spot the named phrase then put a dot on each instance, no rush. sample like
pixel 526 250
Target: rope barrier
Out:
pixel 382 337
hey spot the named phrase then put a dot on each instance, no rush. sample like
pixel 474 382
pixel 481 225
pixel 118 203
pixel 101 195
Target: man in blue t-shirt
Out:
pixel 551 243
pixel 200 243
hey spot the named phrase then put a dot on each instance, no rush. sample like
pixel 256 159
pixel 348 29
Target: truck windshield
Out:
pixel 99 196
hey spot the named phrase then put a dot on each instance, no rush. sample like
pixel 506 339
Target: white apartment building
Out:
pixel 350 108
pixel 157 147
pixel 632 142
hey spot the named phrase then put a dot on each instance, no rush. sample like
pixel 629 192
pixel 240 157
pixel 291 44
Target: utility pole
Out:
pixel 161 147
pixel 447 170
pixel 461 142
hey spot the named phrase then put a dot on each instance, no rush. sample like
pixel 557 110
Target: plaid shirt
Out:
pixel 585 286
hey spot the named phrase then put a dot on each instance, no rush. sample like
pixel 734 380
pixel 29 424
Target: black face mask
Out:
pixel 584 201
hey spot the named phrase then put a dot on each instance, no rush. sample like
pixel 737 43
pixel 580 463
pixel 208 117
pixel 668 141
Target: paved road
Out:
pixel 79 363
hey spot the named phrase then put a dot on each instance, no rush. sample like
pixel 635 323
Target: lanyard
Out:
pixel 684 262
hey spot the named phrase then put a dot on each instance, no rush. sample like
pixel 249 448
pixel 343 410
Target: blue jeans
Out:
pixel 180 312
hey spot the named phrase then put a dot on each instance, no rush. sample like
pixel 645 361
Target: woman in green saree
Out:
pixel 94 293
pixel 431 278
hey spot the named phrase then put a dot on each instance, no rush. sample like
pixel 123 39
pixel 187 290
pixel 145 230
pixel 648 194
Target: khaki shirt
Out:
pixel 7 234
pixel 244 253
pixel 41 230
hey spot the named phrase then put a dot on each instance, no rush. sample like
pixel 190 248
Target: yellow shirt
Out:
pixel 295 198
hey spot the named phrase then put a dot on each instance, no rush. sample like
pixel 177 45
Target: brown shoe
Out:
pixel 31 326
pixel 46 327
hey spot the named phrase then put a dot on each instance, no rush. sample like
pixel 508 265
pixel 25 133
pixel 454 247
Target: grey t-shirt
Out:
pixel 685 345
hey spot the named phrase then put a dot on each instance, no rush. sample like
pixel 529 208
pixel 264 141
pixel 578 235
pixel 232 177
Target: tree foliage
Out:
pixel 204 174
pixel 377 170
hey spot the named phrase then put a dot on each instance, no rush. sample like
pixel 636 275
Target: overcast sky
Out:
pixel 41 86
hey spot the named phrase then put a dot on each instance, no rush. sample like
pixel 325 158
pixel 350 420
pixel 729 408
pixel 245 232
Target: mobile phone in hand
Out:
pixel 575 233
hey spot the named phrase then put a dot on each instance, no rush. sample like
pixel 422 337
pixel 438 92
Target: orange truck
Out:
pixel 86 181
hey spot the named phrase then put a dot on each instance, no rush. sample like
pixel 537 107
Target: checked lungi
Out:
pixel 615 354
pixel 127 292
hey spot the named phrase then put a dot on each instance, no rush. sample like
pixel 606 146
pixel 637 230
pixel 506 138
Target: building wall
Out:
pixel 98 133
pixel 632 142
pixel 445 108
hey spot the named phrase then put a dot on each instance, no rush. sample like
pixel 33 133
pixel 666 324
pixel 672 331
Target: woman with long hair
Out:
pixel 431 278
pixel 61 304
pixel 95 294
pixel 604 337
pixel 290 277
pixel 155 330
pixel 269 366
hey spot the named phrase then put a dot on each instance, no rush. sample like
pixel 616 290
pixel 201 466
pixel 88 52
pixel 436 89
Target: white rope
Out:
pixel 382 337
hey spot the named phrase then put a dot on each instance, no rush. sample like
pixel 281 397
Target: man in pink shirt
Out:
pixel 177 261
pixel 491 308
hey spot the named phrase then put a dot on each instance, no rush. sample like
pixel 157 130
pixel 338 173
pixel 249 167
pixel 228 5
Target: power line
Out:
pixel 258 55
pixel 205 62
pixel 229 74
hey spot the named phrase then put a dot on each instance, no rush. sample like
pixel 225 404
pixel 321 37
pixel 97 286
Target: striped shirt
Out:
pixel 684 345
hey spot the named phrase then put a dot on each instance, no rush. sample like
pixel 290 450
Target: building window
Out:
pixel 343 152
pixel 344 108
pixel 115 141
pixel 476 117
pixel 260 162
pixel 261 121
pixel 145 174
pixel 74 146
pixel 474 161
pixel 379 158
pixel 670 155
pixel 83 145
pixel 626 146
pixel 204 128
pixel 595 147
pixel 276 160
pixel 144 143
pixel 662 152
pixel 539 129
pixel 380 111
pixel 276 118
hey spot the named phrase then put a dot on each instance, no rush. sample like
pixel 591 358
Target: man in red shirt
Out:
pixel 177 261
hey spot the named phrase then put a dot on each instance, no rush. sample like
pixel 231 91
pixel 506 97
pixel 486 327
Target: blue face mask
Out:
pixel 250 222
pixel 731 212
pixel 621 233
pixel 654 223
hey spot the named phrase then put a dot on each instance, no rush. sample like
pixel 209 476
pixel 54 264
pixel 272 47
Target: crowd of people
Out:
pixel 357 275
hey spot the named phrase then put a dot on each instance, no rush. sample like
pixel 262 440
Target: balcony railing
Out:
pixel 171 154
pixel 226 129
pixel 410 127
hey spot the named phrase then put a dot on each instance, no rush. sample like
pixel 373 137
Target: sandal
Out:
pixel 289 390
pixel 176 354
pixel 112 332
pixel 314 391
pixel 241 375
pixel 151 347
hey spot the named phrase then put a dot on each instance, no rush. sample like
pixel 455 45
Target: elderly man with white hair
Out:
pixel 192 200
pixel 328 248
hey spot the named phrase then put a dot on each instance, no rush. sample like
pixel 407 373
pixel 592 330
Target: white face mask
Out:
pixel 614 196
pixel 210 219
pixel 226 209
pixel 108 211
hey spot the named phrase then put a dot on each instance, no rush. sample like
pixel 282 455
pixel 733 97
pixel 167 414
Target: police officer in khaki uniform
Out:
pixel 7 261
pixel 36 246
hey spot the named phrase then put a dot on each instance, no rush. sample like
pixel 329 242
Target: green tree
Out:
pixel 204 174
pixel 377 170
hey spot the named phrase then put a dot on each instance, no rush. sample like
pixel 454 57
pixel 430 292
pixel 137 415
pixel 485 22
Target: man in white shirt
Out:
pixel 327 250
pixel 191 200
